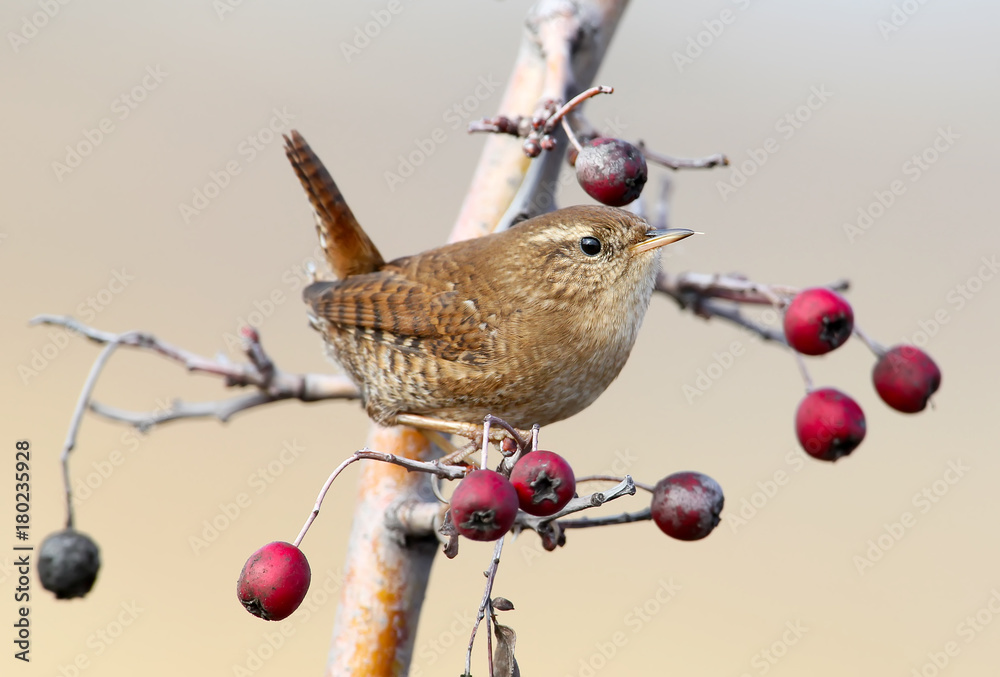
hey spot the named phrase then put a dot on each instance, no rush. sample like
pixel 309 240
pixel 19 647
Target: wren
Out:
pixel 530 324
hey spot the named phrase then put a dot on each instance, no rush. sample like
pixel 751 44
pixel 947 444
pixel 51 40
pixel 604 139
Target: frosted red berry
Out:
pixel 611 171
pixel 544 482
pixel 817 321
pixel 905 378
pixel 829 424
pixel 274 581
pixel 686 505
pixel 484 506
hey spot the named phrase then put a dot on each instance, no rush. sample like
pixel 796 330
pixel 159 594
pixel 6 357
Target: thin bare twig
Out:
pixel 74 425
pixel 273 384
pixel 713 295
pixel 877 348
pixel 539 524
pixel 450 472
pixel 670 162
pixel 570 105
pixel 621 518
pixel 804 370
pixel 613 478
pixel 491 574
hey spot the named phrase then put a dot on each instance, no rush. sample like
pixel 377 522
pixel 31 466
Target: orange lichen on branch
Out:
pixel 385 576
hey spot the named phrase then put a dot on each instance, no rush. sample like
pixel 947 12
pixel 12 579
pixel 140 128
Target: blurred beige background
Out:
pixel 780 594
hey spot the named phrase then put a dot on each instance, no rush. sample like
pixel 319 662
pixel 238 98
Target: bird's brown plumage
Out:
pixel 528 324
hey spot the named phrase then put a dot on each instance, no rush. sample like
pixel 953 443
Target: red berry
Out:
pixel 905 378
pixel 612 171
pixel 817 321
pixel 274 581
pixel 686 505
pixel 484 506
pixel 829 424
pixel 544 482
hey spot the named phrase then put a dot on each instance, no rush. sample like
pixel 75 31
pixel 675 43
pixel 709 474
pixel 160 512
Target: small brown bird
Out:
pixel 530 324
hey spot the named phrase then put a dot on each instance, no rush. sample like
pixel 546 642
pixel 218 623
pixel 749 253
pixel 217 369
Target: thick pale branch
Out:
pixel 564 44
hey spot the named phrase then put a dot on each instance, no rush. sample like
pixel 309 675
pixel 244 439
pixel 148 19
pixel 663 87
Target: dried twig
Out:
pixel 708 162
pixel 259 371
pixel 713 295
pixel 491 575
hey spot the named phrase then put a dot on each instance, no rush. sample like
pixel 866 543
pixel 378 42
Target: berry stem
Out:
pixel 556 117
pixel 803 370
pixel 74 426
pixel 572 137
pixel 451 472
pixel 322 495
pixel 491 575
pixel 877 348
pixel 486 440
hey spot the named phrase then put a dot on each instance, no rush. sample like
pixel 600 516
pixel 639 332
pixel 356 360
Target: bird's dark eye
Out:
pixel 590 246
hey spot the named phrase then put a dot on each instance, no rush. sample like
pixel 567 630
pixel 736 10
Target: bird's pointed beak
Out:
pixel 659 238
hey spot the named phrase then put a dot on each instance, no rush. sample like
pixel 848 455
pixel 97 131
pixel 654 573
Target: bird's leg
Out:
pixel 470 431
pixel 453 454
pixel 459 455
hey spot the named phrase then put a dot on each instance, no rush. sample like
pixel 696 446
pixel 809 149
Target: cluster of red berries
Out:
pixel 485 503
pixel 685 505
pixel 484 507
pixel 829 423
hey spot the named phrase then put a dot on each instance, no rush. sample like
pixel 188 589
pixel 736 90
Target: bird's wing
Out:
pixel 388 306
